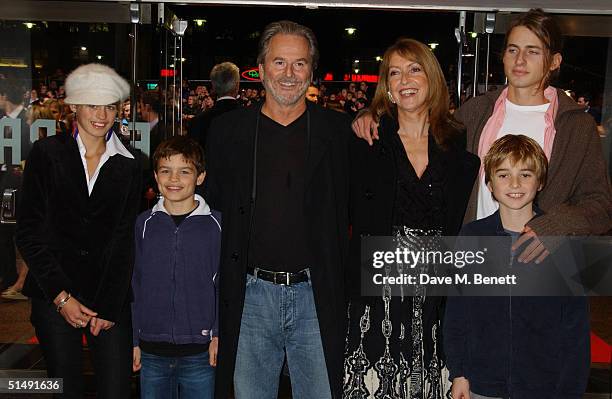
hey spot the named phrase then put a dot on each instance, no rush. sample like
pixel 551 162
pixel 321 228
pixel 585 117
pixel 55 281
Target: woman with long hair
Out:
pixel 413 182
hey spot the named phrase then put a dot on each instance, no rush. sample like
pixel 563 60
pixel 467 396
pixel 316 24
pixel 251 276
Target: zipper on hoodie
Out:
pixel 174 281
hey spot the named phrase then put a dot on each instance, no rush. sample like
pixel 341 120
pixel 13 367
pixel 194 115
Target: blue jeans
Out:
pixel 279 320
pixel 185 377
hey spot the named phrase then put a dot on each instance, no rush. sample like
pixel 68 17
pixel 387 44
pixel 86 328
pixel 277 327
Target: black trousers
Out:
pixel 61 345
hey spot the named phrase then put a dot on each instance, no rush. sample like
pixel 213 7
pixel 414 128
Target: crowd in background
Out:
pixel 46 101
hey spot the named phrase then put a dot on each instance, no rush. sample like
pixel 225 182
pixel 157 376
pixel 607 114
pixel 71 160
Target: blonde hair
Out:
pixel 516 148
pixel 40 112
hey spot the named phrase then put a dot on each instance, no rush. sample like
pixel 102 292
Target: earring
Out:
pixel 390 96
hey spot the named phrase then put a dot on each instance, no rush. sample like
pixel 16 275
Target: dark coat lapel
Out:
pixel 74 168
pixel 319 142
pixel 244 143
pixel 113 174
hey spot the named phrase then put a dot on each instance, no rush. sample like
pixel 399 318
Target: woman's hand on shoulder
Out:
pixel 365 127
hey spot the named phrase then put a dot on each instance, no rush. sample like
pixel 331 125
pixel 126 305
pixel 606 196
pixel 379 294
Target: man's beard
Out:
pixel 290 99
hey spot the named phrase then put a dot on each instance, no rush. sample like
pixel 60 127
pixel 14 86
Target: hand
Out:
pixel 365 127
pixel 460 388
pixel 74 312
pixel 98 325
pixel 535 250
pixel 136 359
pixel 212 351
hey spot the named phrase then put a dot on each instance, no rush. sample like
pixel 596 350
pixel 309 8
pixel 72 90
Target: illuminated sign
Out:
pixel 251 74
pixel 167 73
pixel 352 77
pixel 360 78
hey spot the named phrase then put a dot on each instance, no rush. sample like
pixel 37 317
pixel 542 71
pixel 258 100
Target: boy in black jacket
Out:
pixel 516 347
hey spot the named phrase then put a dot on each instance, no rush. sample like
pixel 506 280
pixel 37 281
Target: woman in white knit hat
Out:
pixel 75 231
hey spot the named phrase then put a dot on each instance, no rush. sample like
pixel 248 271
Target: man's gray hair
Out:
pixel 288 28
pixel 225 78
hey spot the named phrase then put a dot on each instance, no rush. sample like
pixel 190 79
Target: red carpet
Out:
pixel 34 340
pixel 601 351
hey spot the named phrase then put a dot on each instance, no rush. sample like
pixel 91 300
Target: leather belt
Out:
pixel 282 278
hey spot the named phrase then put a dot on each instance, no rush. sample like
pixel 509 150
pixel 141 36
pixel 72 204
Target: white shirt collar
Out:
pixel 15 112
pixel 226 98
pixel 201 209
pixel 113 147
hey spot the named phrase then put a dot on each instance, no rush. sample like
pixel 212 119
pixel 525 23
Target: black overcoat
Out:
pixel 73 241
pixel 228 188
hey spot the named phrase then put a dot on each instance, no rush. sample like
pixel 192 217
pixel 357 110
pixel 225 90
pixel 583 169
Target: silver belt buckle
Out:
pixel 287 282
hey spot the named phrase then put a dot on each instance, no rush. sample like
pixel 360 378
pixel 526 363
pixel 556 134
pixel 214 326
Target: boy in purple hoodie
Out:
pixel 175 310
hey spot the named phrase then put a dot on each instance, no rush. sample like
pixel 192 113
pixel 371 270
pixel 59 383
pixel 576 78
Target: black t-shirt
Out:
pixel 178 219
pixel 278 240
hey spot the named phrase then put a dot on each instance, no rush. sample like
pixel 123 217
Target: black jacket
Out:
pixel 522 347
pixel 228 188
pixel 373 188
pixel 200 124
pixel 72 241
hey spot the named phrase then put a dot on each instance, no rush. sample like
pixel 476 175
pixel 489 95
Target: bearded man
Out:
pixel 279 173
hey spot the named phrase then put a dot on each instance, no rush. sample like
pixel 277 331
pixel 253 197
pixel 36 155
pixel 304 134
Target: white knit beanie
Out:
pixel 95 84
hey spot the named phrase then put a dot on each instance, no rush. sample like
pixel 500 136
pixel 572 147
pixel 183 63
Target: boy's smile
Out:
pixel 514 186
pixel 177 179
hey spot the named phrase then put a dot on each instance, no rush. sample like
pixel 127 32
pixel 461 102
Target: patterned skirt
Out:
pixel 394 346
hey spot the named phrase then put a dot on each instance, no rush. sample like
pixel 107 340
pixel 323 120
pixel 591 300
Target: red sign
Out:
pixel 360 78
pixel 328 77
pixel 167 73
pixel 251 74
